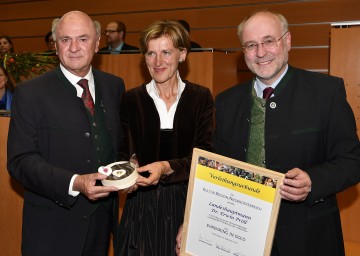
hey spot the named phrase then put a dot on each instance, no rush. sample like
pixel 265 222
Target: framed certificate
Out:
pixel 231 207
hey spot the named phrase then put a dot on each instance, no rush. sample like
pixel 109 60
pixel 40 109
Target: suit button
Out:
pixel 87 135
pixel 88 161
pixel 58 203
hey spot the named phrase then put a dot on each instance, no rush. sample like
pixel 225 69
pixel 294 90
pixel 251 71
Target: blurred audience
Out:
pixel 6 44
pixel 186 25
pixel 6 89
pixel 115 33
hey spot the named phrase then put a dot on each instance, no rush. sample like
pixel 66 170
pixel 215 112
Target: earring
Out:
pixel 180 61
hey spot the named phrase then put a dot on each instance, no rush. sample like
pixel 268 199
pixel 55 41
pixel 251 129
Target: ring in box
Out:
pixel 119 174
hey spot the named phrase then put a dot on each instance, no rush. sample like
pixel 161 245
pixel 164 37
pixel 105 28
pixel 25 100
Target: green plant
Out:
pixel 23 66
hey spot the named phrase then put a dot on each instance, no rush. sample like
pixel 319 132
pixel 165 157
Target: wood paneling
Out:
pixel 225 38
pixel 345 62
pixel 213 25
pixel 219 67
pixel 11 198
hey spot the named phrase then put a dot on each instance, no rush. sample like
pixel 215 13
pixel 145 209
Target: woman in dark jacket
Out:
pixel 164 120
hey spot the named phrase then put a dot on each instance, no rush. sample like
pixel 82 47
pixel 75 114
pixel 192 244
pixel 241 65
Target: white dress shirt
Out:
pixel 79 90
pixel 166 117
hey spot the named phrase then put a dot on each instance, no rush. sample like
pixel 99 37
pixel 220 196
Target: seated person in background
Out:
pixel 187 27
pixel 6 45
pixel 6 90
pixel 115 38
pixel 50 43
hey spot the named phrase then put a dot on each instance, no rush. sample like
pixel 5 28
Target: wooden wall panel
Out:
pixel 302 36
pixel 11 198
pixel 45 8
pixel 206 21
pixel 26 28
pixel 213 25
pixel 345 62
pixel 311 11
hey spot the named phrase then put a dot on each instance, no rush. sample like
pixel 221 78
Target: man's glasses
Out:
pixel 268 44
pixel 111 31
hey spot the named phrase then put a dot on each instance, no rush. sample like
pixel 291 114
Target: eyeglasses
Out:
pixel 268 44
pixel 111 31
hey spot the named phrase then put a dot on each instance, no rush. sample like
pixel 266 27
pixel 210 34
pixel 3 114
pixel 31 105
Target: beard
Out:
pixel 270 72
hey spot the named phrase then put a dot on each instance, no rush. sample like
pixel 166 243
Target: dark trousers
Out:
pixel 98 236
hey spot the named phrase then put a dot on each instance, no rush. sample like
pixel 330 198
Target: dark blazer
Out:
pixel 49 141
pixel 126 47
pixel 152 215
pixel 193 127
pixel 310 126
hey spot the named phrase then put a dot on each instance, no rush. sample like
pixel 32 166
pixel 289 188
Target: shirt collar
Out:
pixel 260 86
pixel 153 91
pixel 74 79
pixel 117 49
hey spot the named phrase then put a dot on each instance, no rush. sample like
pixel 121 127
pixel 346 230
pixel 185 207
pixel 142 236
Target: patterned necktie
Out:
pixel 267 92
pixel 86 96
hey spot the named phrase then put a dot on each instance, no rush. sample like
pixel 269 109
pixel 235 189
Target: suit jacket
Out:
pixel 49 141
pixel 126 47
pixel 309 125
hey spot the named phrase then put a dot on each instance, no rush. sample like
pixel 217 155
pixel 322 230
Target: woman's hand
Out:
pixel 178 240
pixel 156 170
pixel 129 190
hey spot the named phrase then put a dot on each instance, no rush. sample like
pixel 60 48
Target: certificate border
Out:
pixel 242 165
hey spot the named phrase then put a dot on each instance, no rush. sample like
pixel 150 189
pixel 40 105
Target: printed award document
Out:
pixel 231 207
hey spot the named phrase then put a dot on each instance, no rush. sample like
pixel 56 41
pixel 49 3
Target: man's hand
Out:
pixel 296 185
pixel 86 184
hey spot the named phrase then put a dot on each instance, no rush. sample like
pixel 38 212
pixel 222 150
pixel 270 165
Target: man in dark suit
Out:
pixel 56 144
pixel 306 129
pixel 115 33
